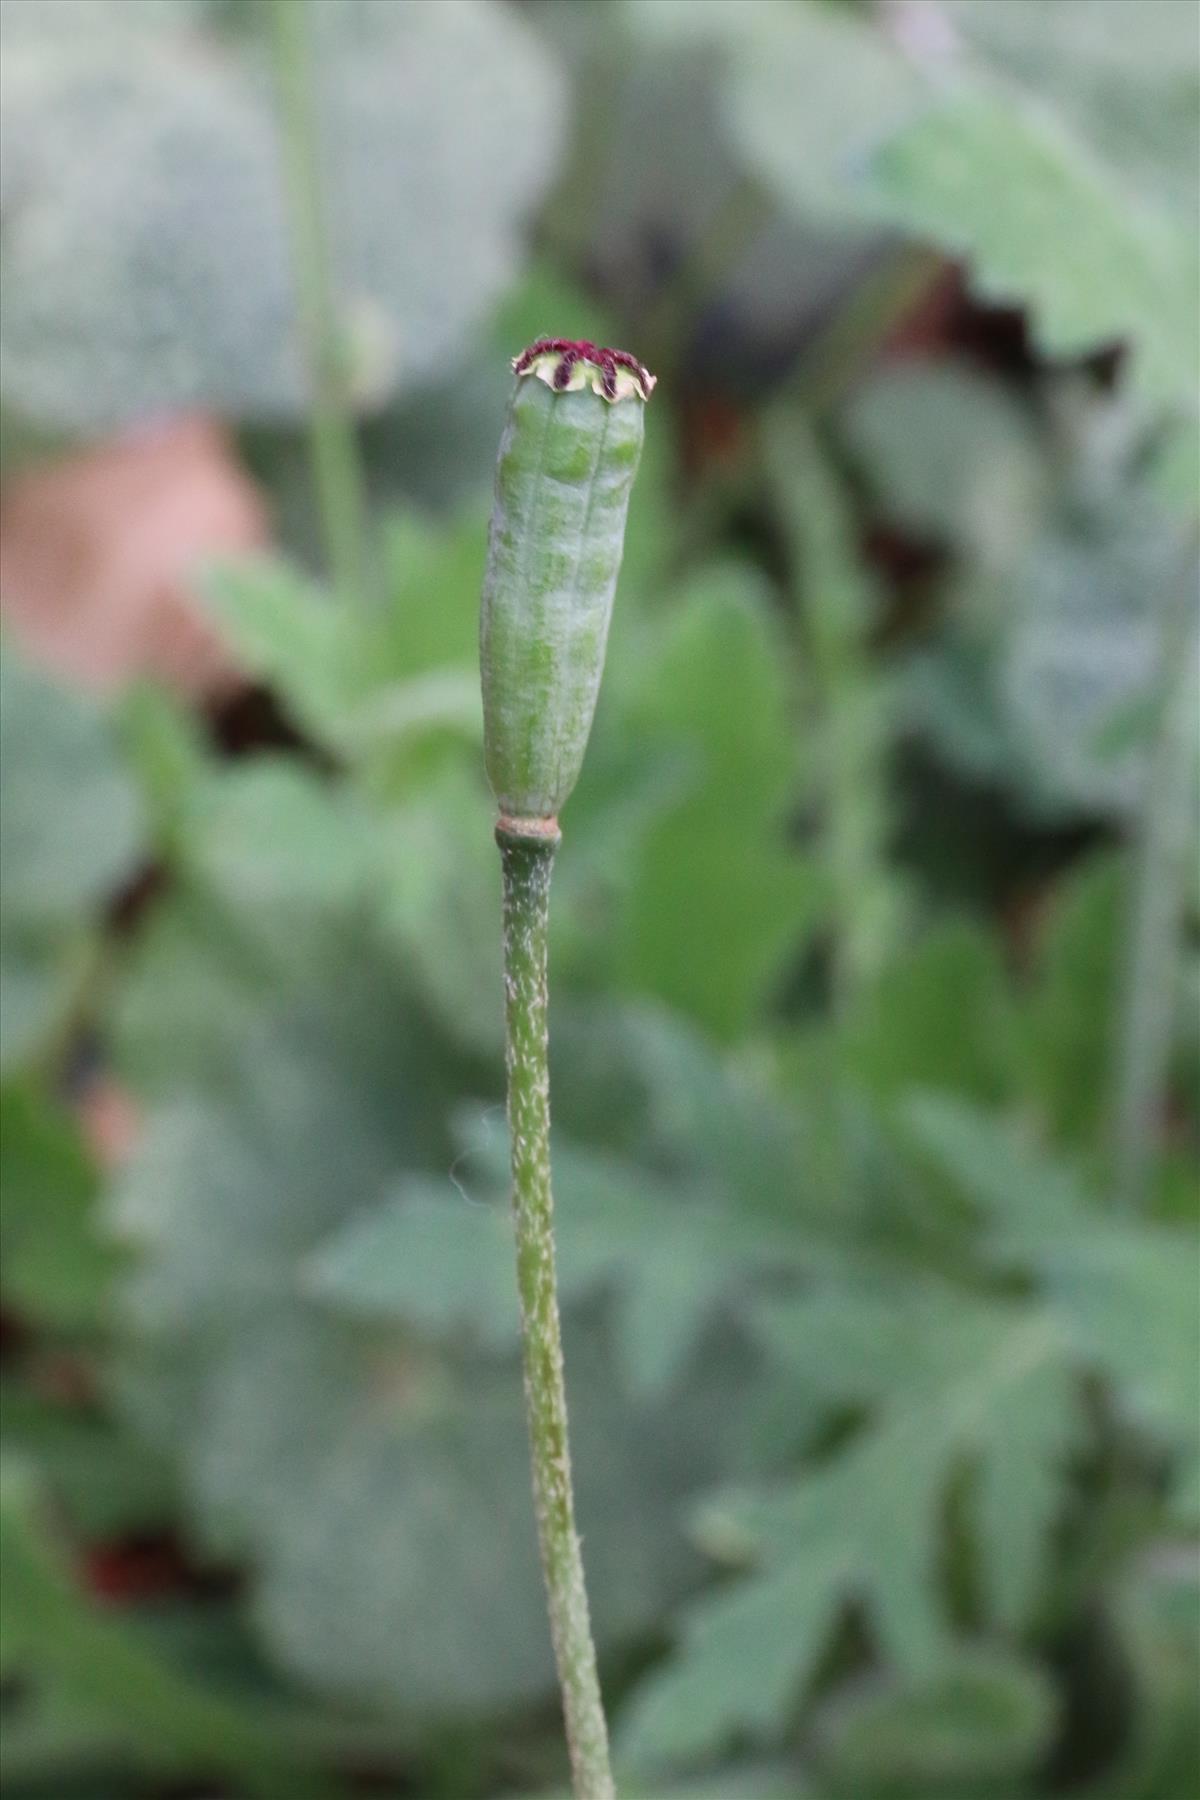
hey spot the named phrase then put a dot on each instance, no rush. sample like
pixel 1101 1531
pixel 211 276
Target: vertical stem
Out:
pixel 1166 832
pixel 851 712
pixel 337 470
pixel 527 865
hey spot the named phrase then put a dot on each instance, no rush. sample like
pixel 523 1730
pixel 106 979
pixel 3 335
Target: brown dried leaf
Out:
pixel 99 551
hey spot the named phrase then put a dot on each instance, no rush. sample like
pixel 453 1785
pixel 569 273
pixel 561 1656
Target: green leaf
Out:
pixel 167 755
pixel 440 1264
pixel 1127 1296
pixel 1069 1012
pixel 808 100
pixel 440 899
pixel 1041 225
pixel 70 823
pixel 703 926
pixel 979 1725
pixel 70 831
pixel 166 1721
pixel 1054 630
pixel 104 1481
pixel 1123 1297
pixel 193 984
pixel 270 838
pixel 1016 1185
pixel 947 451
pixel 941 1016
pixel 999 1383
pixel 668 1253
pixel 326 1446
pixel 738 1670
pixel 56 1268
pixel 718 1123
pixel 434 577
pixel 287 632
pixel 1157 1608
pixel 718 687
pixel 1123 75
pixel 366 686
pixel 719 960
pixel 955 1380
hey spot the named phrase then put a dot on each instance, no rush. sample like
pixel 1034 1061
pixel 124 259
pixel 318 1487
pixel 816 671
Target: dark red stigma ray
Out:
pixel 574 350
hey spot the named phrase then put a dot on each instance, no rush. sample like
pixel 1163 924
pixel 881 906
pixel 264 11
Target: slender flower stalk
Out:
pixel 567 462
pixel 337 467
pixel 527 864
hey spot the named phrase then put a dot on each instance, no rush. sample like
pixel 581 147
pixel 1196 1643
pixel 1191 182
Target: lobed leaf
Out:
pixel 984 1383
pixel 1039 224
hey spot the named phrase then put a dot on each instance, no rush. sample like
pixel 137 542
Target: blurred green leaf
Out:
pixel 104 1481
pixel 987 1383
pixel 166 754
pixel 368 688
pixel 162 1719
pixel 1069 1011
pixel 1123 74
pixel 1123 1296
pixel 940 1016
pixel 1041 672
pixel 1041 225
pixel 56 1270
pixel 948 452
pixel 1158 1604
pixel 288 632
pixel 440 898
pixel 810 98
pixel 1128 1297
pixel 332 1448
pixel 716 901
pixel 70 831
pixel 70 819
pixel 442 1265
pixel 156 275
pixel 434 579
pixel 1013 1182
pixel 269 837
pixel 669 1253
pixel 970 1733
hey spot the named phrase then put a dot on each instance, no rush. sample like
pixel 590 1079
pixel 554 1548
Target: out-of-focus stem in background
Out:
pixel 1166 836
pixel 847 702
pixel 337 467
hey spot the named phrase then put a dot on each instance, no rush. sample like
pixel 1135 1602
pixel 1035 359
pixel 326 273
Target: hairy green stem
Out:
pixel 528 860
pixel 337 467
pixel 1156 908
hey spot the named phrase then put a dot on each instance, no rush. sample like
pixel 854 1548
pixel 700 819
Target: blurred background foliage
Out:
pixel 876 931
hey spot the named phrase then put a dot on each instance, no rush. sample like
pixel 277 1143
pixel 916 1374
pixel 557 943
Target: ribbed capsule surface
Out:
pixel 566 466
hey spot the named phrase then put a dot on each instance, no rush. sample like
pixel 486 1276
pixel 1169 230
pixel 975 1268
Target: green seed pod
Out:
pixel 567 461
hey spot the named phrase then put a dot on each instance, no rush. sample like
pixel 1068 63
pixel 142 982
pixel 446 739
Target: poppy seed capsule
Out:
pixel 567 460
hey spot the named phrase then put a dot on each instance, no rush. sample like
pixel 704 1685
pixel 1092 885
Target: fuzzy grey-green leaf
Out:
pixel 565 471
